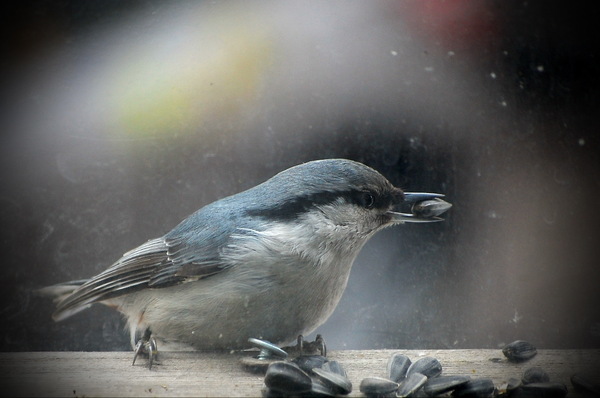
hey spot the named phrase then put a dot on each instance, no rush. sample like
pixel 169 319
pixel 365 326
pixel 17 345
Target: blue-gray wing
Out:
pixel 190 252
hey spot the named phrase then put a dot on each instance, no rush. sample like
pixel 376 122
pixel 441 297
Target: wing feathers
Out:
pixel 149 265
pixel 176 258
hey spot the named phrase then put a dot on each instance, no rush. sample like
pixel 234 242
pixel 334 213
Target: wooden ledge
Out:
pixel 78 374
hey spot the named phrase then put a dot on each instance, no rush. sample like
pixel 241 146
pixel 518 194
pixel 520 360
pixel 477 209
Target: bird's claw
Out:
pixel 270 353
pixel 147 346
pixel 269 350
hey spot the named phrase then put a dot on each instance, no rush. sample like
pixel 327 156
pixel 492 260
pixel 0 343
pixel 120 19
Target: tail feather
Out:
pixel 61 291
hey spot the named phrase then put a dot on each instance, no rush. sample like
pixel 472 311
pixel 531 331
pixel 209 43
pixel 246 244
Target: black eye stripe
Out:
pixel 371 200
pixel 293 208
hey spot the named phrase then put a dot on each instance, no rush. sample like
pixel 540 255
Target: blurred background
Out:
pixel 119 119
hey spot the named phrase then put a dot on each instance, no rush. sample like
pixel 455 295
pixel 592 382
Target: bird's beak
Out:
pixel 425 207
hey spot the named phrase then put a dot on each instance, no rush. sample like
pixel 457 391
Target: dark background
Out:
pixel 121 118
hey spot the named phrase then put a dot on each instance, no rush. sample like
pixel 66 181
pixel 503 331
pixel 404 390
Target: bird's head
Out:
pixel 343 194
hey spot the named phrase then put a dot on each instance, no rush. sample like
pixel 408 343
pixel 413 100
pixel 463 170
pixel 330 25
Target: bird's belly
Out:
pixel 216 314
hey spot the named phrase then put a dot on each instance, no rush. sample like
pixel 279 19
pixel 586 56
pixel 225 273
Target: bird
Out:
pixel 271 262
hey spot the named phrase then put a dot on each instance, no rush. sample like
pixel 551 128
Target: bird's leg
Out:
pixel 300 343
pixel 146 345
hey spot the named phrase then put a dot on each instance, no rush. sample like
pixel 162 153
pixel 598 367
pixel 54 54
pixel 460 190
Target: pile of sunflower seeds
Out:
pixel 307 375
pixel 422 378
pixel 315 375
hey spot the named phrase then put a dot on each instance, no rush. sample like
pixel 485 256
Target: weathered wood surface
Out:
pixel 77 374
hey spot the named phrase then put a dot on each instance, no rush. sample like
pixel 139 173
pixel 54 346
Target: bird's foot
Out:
pixel 270 353
pixel 146 346
pixel 304 347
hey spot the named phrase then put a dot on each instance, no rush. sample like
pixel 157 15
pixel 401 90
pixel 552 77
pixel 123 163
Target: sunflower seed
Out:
pixel 411 385
pixel 377 386
pixel 476 388
pixel 545 390
pixel 287 378
pixel 308 362
pixel 442 384
pixel 339 384
pixel 535 375
pixel 427 366
pixel 397 367
pixel 519 351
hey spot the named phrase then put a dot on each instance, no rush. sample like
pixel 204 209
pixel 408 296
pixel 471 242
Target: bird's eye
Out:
pixel 367 200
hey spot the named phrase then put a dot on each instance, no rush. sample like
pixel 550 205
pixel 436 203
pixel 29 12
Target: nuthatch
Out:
pixel 271 262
